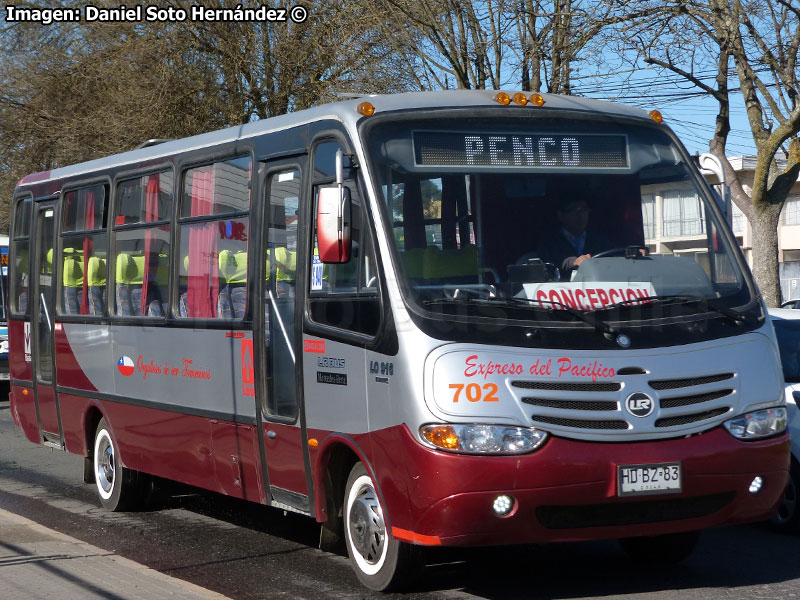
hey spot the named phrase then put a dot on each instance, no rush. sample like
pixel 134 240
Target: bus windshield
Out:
pixel 552 214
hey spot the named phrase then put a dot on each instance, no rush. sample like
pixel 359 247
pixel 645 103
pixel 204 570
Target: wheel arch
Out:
pixel 92 417
pixel 337 455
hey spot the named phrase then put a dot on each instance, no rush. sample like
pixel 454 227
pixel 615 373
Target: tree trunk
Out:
pixel 765 253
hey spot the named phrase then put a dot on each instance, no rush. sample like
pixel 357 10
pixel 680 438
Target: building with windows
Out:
pixel 674 223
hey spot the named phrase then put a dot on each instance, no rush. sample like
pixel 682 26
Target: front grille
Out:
pixel 693 418
pixel 631 513
pixel 563 386
pixel 580 423
pixel 573 404
pixel 672 384
pixel 696 399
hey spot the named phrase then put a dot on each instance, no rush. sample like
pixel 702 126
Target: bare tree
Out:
pixel 447 43
pixel 77 91
pixel 760 39
pixel 266 69
pixel 552 36
pixel 533 45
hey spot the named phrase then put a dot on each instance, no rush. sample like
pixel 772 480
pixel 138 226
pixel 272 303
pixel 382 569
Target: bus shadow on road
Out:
pixel 240 513
pixel 735 562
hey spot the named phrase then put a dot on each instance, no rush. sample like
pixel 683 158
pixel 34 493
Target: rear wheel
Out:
pixel 380 561
pixel 118 488
pixel 671 548
pixel 787 515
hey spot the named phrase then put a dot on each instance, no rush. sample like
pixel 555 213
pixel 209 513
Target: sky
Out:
pixel 690 114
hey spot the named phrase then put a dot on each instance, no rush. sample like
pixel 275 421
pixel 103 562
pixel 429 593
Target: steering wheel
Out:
pixel 628 252
pixel 612 252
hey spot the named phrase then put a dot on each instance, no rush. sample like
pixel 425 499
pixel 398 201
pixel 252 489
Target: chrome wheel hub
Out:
pixel 105 466
pixel 367 528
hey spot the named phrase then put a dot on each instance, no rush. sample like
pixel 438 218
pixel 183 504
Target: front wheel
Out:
pixel 117 487
pixel 667 549
pixel 380 561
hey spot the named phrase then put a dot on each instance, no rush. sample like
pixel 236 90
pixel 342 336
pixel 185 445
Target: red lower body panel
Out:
pixel 23 410
pixel 567 490
pixel 208 453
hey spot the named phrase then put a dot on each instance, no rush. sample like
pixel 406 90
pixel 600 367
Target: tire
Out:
pixel 669 549
pixel 381 562
pixel 118 488
pixel 787 516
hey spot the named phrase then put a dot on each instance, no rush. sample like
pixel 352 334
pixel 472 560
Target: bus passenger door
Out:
pixel 280 403
pixel 43 289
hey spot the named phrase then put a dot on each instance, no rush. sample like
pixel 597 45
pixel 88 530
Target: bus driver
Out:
pixel 572 243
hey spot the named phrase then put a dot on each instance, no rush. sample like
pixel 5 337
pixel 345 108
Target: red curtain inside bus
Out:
pixel 203 268
pixel 88 222
pixel 150 215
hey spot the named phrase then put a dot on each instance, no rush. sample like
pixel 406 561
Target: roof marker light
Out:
pixel 503 98
pixel 656 116
pixel 366 109
pixel 537 99
pixel 520 98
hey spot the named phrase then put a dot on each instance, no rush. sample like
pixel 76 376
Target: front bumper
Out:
pixel 567 490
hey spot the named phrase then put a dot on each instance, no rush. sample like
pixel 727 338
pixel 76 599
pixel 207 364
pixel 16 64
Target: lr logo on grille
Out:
pixel 639 404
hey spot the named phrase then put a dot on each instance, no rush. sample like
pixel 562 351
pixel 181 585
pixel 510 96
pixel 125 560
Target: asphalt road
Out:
pixel 248 551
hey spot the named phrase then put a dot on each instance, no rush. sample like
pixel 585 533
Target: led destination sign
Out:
pixel 440 148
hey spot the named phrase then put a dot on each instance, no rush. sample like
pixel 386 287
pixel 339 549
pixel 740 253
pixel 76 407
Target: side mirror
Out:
pixel 333 224
pixel 712 166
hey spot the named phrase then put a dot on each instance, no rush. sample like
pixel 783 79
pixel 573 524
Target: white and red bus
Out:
pixel 354 312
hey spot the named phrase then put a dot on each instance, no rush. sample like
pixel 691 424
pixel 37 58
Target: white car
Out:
pixel 787 328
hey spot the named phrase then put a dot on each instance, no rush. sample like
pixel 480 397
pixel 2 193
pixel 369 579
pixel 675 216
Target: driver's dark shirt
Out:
pixel 554 247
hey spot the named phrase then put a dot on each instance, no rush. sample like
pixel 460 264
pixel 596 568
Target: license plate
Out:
pixel 639 480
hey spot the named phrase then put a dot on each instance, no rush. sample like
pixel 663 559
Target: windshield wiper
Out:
pixel 731 314
pixel 598 324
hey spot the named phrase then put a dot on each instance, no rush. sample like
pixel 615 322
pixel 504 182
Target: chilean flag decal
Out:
pixel 125 366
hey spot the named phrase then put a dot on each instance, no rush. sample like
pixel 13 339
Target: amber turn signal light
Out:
pixel 442 436
pixel 366 109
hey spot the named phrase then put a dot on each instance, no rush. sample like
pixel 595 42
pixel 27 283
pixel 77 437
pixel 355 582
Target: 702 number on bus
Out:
pixel 474 392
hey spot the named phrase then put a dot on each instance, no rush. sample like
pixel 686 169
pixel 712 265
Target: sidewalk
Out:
pixel 36 562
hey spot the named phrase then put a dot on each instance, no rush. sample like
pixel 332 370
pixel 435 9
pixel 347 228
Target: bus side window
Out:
pixel 214 233
pixel 84 242
pixel 20 248
pixel 142 247
pixel 344 295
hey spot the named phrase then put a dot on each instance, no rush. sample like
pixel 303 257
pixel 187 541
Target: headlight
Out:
pixel 759 424
pixel 483 439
